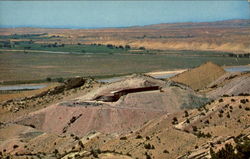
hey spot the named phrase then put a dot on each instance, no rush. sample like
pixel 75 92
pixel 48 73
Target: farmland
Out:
pixel 20 66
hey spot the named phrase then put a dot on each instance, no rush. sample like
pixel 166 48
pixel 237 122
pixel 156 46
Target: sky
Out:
pixel 96 14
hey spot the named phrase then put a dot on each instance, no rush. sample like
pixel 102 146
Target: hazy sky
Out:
pixel 87 14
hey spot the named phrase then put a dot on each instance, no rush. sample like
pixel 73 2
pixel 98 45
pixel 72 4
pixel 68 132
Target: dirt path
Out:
pixel 165 72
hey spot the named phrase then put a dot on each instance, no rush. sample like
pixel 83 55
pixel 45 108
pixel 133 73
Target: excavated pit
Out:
pixel 116 95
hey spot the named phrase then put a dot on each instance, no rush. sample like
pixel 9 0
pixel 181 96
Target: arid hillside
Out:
pixel 186 134
pixel 136 117
pixel 118 107
pixel 229 84
pixel 225 36
pixel 212 126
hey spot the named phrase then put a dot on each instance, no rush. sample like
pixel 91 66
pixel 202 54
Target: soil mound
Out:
pixel 88 113
pixel 200 77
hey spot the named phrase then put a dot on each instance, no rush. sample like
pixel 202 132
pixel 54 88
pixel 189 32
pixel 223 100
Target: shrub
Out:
pixel 244 94
pixel 76 138
pixel 110 46
pixel 127 47
pixel 194 128
pixel 201 134
pixel 203 114
pixel 56 152
pixel 123 138
pixel 226 106
pixel 138 137
pixel 128 154
pixel 165 151
pixel 48 79
pixel 186 131
pixel 221 111
pixel 81 144
pixel 95 152
pixel 148 156
pixel 228 152
pixel 149 146
pixel 243 101
pixel 206 122
pixel 221 100
pixel 175 120
pixel 186 113
pixel 60 80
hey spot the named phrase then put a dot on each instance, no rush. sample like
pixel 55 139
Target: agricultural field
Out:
pixel 29 45
pixel 20 66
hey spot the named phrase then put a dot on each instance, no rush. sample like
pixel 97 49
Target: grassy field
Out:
pixel 19 66
pixel 29 44
pixel 72 48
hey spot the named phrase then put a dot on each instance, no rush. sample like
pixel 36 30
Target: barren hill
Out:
pixel 229 84
pixel 201 76
pixel 115 108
